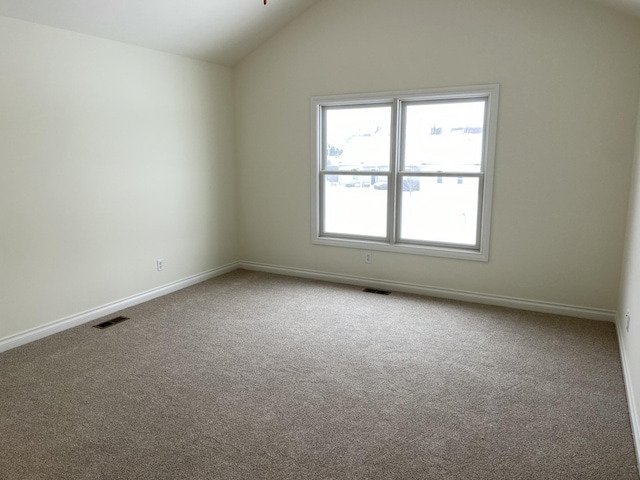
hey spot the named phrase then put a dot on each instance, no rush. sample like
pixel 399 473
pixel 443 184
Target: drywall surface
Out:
pixel 629 304
pixel 111 157
pixel 569 75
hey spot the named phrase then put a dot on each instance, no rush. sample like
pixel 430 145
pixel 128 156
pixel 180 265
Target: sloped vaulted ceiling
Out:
pixel 217 31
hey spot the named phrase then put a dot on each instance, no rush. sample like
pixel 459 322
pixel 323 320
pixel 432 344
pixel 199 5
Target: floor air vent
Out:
pixel 111 322
pixel 379 292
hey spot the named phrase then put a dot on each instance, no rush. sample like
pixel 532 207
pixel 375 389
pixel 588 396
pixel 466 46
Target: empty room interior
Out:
pixel 177 164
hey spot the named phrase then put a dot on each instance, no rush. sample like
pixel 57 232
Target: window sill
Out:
pixel 433 251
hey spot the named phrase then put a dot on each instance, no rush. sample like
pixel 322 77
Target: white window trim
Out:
pixel 490 92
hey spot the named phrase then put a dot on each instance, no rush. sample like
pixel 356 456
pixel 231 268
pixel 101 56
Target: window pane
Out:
pixel 442 209
pixel 444 136
pixel 358 138
pixel 355 205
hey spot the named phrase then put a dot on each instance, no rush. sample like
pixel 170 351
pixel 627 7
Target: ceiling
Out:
pixel 217 31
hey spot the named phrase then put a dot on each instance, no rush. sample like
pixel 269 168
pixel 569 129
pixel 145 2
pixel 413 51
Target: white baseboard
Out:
pixel 465 296
pixel 633 413
pixel 37 333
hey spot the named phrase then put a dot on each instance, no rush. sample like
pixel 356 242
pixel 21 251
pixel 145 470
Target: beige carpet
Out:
pixel 258 376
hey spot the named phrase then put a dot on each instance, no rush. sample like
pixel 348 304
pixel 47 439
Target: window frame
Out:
pixel 398 101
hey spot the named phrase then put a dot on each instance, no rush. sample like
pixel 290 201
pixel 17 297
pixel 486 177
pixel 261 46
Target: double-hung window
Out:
pixel 408 172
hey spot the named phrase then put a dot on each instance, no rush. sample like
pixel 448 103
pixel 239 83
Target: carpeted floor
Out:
pixel 258 376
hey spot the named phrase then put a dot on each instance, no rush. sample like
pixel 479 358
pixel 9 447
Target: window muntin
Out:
pixel 406 172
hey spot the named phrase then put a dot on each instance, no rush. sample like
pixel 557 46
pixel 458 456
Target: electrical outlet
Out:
pixel 160 264
pixel 368 258
pixel 628 316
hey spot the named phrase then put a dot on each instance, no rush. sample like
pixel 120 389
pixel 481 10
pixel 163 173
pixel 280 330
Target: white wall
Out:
pixel 570 80
pixel 111 156
pixel 630 301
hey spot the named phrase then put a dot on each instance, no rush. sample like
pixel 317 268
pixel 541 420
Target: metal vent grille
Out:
pixel 111 322
pixel 379 292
